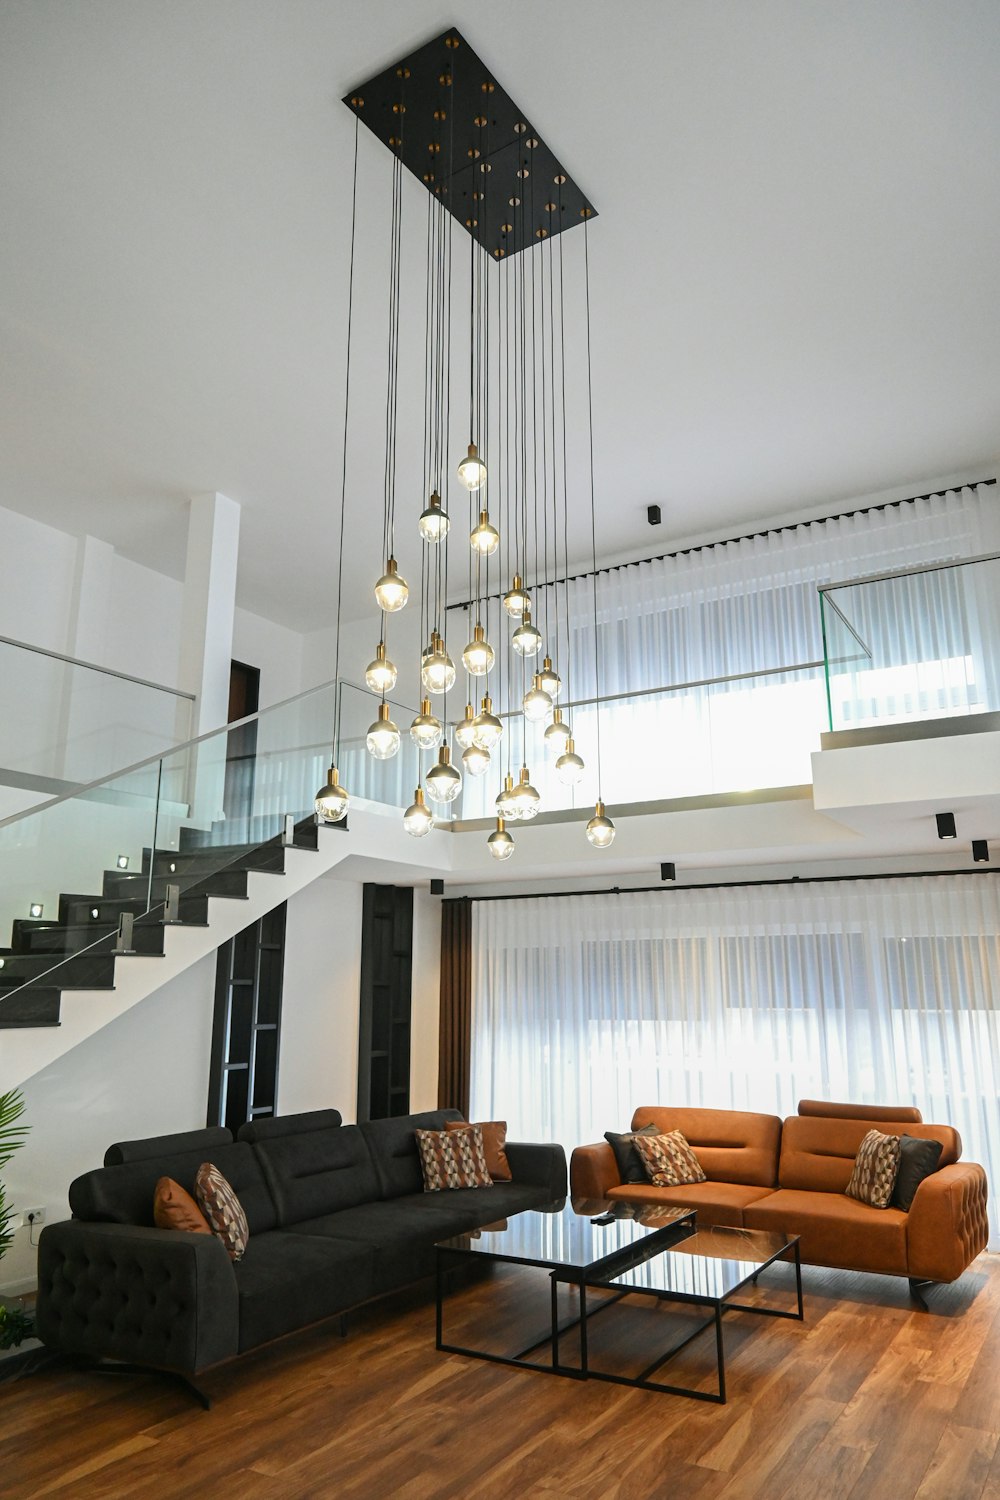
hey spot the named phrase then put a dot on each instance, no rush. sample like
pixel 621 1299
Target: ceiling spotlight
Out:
pixel 653 515
pixel 668 871
pixel 980 851
pixel 946 826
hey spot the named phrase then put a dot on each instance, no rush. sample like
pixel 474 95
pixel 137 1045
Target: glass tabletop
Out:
pixel 563 1234
pixel 711 1263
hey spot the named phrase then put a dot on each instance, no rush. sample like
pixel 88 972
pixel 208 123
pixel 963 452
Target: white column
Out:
pixel 209 605
pixel 206 654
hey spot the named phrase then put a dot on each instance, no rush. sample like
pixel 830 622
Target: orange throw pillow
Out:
pixel 173 1208
pixel 494 1145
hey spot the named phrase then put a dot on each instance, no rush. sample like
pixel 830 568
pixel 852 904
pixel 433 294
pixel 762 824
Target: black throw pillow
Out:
pixel 630 1167
pixel 917 1160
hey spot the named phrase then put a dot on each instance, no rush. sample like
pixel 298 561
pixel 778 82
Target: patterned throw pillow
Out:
pixel 875 1168
pixel 173 1208
pixel 494 1146
pixel 452 1159
pixel 668 1159
pixel 222 1209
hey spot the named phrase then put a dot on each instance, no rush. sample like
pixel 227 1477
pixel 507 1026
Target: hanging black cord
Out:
pixel 593 519
pixel 343 476
pixel 565 485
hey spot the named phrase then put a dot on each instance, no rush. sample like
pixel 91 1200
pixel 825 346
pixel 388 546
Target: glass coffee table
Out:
pixel 620 1251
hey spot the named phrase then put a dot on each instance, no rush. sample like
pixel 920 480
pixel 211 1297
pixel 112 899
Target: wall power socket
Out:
pixel 32 1216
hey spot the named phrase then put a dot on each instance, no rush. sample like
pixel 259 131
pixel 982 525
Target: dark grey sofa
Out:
pixel 337 1215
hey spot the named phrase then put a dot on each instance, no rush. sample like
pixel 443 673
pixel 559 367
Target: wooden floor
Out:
pixel 869 1399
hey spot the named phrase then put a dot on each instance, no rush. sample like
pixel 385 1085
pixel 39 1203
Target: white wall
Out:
pixel 145 1074
pixel 318 1061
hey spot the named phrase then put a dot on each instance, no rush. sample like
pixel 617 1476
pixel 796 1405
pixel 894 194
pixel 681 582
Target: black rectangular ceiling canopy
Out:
pixel 442 112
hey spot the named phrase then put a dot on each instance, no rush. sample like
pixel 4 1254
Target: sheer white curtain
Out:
pixel 877 991
pixel 735 629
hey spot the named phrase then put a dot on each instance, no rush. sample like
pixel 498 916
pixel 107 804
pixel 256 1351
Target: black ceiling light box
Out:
pixel 946 826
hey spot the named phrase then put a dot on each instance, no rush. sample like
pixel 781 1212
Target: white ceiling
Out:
pixel 795 269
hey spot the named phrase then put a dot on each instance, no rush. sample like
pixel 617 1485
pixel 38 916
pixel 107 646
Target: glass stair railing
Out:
pixel 102 871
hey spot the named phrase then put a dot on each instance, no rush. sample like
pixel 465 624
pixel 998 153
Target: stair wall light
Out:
pixel 36 909
pixel 122 862
pixel 95 912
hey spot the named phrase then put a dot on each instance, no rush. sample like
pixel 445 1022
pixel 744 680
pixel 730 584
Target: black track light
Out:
pixel 980 851
pixel 946 826
pixel 437 887
pixel 668 872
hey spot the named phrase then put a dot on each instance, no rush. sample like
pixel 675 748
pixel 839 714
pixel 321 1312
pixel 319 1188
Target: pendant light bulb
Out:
pixel 486 727
pixel 418 818
pixel 558 734
pixel 526 640
pixel 478 656
pixel 444 781
pixel 600 829
pixel 437 670
pixel 465 728
pixel 392 590
pixel 434 522
pixel 536 702
pixel 380 674
pixel 549 679
pixel 516 600
pixel 505 804
pixel 526 799
pixel 569 766
pixel 500 843
pixel 426 731
pixel 332 799
pixel 485 539
pixel 472 470
pixel 383 736
pixel 476 760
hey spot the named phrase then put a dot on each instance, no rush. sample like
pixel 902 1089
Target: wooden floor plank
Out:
pixel 870 1398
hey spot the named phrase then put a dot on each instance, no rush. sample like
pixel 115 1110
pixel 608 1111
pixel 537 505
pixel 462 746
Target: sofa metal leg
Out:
pixel 918 1284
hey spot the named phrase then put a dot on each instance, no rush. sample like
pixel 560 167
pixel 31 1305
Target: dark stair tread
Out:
pixel 76 937
pixel 77 909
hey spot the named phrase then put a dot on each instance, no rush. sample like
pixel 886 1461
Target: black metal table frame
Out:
pixel 614 1264
pixel 719 1305
pixel 583 1277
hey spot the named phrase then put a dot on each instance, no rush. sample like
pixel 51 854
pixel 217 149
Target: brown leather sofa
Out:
pixel 765 1174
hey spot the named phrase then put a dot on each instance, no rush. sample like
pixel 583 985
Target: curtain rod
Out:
pixel 726 885
pixel 750 536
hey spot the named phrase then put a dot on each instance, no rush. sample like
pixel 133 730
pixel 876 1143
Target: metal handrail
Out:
pixel 91 666
pixel 934 567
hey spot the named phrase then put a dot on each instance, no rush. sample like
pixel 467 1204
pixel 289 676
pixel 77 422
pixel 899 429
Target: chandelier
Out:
pixel 494 335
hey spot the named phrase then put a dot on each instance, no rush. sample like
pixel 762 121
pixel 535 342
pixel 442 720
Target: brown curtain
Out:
pixel 454 1036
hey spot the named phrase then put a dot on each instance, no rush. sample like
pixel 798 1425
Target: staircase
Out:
pixel 82 947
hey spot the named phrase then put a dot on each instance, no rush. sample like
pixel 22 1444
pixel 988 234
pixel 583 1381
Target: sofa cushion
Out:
pixel 630 1164
pixel 873 1175
pixel 124 1194
pixel 898 1113
pixel 668 1159
pixel 494 1145
pixel 716 1202
pixel 399 1236
pixel 393 1146
pixel 917 1160
pixel 268 1126
pixel 173 1208
pixel 835 1230
pixel 317 1170
pixel 452 1159
pixel 287 1280
pixel 223 1210
pixel 817 1155
pixel 732 1145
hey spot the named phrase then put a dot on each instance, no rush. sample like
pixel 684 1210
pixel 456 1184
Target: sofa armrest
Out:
pixel 157 1297
pixel 593 1169
pixel 947 1225
pixel 538 1164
